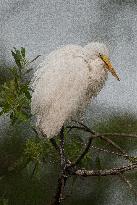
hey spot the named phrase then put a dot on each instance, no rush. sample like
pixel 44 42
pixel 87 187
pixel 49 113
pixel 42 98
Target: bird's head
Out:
pixel 99 50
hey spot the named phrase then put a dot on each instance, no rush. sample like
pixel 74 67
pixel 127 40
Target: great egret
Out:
pixel 66 81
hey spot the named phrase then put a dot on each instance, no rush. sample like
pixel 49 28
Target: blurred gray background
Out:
pixel 43 25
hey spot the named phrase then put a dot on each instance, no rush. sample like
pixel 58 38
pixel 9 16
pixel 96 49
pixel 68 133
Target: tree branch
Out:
pixel 97 135
pixel 63 178
pixel 111 152
pixel 120 135
pixel 83 153
pixel 60 190
pixel 128 183
pixel 84 127
pixel 34 59
pixel 105 172
pixel 112 143
pixel 69 169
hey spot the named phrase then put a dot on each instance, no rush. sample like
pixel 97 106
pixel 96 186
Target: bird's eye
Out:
pixel 100 55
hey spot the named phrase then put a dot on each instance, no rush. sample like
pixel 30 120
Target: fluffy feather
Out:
pixel 64 84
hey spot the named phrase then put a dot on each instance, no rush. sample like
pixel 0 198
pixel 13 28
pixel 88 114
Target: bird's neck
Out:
pixel 97 75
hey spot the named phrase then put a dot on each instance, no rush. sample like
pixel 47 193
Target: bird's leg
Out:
pixel 55 145
pixel 62 152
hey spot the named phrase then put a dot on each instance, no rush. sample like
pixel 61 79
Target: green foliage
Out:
pixel 49 152
pixel 5 75
pixel 20 58
pixel 126 123
pixel 15 94
pixel 3 201
pixel 33 150
pixel 122 123
pixel 73 146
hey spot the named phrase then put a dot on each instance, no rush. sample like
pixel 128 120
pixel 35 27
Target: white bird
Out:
pixel 66 81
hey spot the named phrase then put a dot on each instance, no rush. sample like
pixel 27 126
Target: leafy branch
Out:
pixel 15 94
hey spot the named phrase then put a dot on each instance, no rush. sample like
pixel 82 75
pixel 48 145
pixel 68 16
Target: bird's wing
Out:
pixel 60 89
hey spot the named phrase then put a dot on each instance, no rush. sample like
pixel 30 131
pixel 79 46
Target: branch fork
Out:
pixel 69 168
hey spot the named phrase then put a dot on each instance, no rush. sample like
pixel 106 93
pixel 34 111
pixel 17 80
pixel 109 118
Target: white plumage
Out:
pixel 64 84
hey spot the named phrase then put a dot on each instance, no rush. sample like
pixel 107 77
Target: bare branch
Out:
pixel 98 135
pixel 112 143
pixel 63 178
pixel 69 169
pixel 83 153
pixel 34 170
pixel 34 59
pixel 95 135
pixel 60 190
pixel 128 183
pixel 87 129
pixel 111 152
pixel 120 135
pixel 105 172
pixel 76 127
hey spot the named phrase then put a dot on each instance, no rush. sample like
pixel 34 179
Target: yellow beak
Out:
pixel 109 66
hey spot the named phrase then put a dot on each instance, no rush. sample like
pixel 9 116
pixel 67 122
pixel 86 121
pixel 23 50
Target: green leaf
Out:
pixel 13 54
pixel 28 95
pixel 15 93
pixel 6 108
pixel 23 52
pixel 33 150
pixel 21 116
pixel 17 57
pixel 14 72
pixel 1 112
pixel 25 90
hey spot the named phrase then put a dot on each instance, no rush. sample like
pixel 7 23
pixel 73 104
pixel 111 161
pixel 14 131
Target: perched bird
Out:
pixel 65 82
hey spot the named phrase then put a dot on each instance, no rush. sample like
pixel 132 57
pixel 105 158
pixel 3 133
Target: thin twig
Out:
pixel 125 156
pixel 34 170
pixel 112 143
pixel 86 127
pixel 83 153
pixel 124 179
pixel 98 135
pixel 76 127
pixel 120 135
pixel 111 152
pixel 34 59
